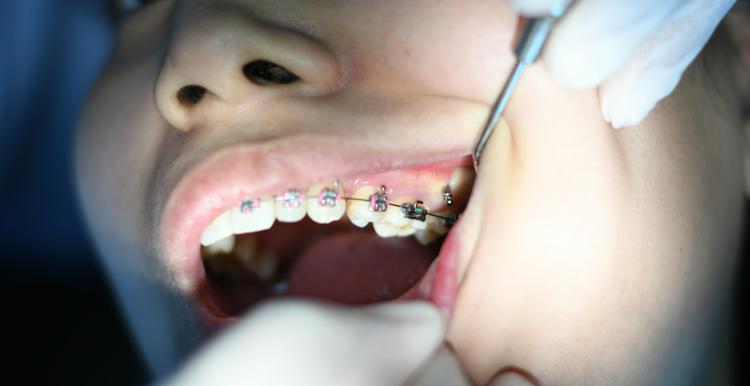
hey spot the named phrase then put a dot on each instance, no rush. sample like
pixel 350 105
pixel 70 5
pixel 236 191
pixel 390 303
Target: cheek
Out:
pixel 118 143
pixel 456 48
pixel 547 246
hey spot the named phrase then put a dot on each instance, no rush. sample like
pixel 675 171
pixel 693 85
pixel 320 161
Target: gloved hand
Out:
pixel 634 50
pixel 307 343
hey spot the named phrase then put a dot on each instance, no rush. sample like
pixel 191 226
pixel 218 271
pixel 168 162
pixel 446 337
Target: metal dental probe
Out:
pixel 527 51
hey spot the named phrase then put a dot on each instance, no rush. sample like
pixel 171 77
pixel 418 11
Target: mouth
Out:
pixel 260 221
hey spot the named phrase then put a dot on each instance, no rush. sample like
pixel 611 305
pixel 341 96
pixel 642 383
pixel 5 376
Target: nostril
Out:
pixel 263 72
pixel 191 95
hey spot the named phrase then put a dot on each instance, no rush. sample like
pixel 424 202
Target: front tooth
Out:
pixel 225 245
pixel 252 216
pixel 220 228
pixel 291 206
pixel 359 211
pixel 325 203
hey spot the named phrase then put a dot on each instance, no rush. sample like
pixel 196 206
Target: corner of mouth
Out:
pixel 231 177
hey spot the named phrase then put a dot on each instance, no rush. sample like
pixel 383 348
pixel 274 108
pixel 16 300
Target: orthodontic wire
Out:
pixel 277 197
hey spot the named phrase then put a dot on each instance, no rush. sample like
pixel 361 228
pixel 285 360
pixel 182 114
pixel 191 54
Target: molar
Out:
pixel 325 203
pixel 253 215
pixel 426 236
pixel 394 223
pixel 291 206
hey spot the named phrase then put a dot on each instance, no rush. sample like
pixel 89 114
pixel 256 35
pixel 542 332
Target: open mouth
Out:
pixel 356 239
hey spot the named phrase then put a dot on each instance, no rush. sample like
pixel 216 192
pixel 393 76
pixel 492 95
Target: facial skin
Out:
pixel 589 256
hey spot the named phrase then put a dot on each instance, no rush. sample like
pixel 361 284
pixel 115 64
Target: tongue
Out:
pixel 358 267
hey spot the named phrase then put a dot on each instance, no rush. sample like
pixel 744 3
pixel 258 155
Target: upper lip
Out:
pixel 232 173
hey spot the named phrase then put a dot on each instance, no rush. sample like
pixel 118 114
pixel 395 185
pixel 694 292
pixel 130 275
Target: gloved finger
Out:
pixel 656 65
pixel 442 369
pixel 531 8
pixel 306 343
pixel 510 378
pixel 596 37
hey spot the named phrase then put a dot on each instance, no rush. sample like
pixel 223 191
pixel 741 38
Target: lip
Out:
pixel 233 173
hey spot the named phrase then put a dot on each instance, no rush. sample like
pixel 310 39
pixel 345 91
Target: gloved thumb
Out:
pixel 658 62
pixel 308 343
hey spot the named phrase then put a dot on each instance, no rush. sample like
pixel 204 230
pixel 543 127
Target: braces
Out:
pixel 293 198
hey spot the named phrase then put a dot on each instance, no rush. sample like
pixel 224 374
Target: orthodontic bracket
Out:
pixel 250 205
pixel 448 196
pixel 415 211
pixel 293 198
pixel 379 200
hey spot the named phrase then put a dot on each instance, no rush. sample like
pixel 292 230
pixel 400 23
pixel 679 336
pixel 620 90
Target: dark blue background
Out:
pixel 59 315
pixel 58 312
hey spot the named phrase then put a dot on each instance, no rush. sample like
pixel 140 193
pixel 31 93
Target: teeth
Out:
pixel 291 206
pixel 225 245
pixel 426 236
pixel 247 249
pixel 324 204
pixel 327 206
pixel 437 225
pixel 265 265
pixel 220 228
pixel 460 183
pixel 252 216
pixel 394 223
pixel 359 211
pixel 384 229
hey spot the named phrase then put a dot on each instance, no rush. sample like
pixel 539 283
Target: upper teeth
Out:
pixel 324 203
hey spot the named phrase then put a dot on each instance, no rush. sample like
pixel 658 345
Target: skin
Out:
pixel 588 255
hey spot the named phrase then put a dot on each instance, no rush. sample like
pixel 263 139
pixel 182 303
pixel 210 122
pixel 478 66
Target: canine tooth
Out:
pixel 291 206
pixel 225 245
pixel 327 205
pixel 359 211
pixel 426 236
pixel 259 218
pixel 220 228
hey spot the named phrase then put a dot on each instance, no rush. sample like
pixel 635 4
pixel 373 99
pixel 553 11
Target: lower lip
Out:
pixel 440 283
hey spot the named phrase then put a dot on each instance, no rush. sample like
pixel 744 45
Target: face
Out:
pixel 582 255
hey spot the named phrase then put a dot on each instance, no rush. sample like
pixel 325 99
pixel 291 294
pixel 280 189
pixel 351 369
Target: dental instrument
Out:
pixel 527 51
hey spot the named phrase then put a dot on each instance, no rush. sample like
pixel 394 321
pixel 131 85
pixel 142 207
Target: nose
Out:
pixel 222 62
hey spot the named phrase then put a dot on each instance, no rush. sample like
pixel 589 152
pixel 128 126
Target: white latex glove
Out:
pixel 634 50
pixel 304 343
